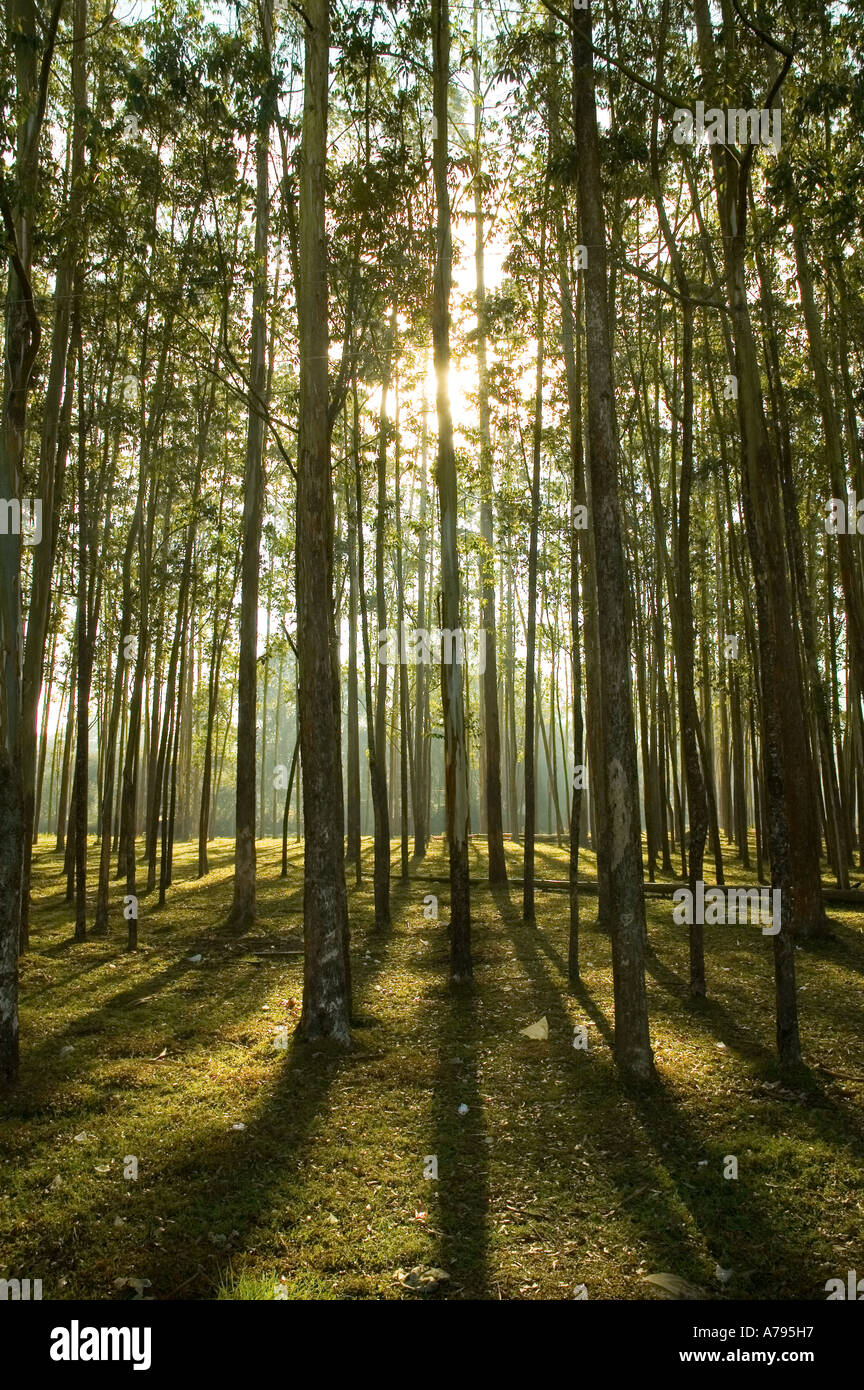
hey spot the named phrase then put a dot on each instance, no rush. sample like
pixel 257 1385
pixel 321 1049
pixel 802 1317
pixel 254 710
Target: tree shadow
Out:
pixel 681 1169
pixel 459 1142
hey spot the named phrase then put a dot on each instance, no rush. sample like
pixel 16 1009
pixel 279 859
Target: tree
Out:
pixel 326 977
pixel 242 912
pixel 491 720
pixel 622 829
pixel 455 758
pixel 32 71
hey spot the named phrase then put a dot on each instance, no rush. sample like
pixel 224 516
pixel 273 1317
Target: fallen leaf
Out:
pixel 673 1286
pixel 138 1284
pixel 422 1280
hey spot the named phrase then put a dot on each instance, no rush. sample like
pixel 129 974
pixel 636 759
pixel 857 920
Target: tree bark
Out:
pixel 242 913
pixel 619 773
pixel 326 977
pixel 455 755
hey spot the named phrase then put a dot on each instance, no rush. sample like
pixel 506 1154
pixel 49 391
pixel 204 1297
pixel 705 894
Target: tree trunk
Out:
pixel 326 978
pixel 378 752
pixel 531 627
pixel 242 913
pixel 570 315
pixel 455 756
pixel 354 848
pixel 491 721
pixel 619 774
pixel 421 798
pixel 21 344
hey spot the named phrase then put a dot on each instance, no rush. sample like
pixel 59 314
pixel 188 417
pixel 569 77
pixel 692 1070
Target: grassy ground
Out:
pixel 267 1172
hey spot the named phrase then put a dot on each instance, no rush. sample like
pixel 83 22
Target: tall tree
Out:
pixel 33 40
pixel 491 720
pixel 326 974
pixel 242 913
pixel 455 754
pixel 622 829
pixel 793 843
pixel 52 453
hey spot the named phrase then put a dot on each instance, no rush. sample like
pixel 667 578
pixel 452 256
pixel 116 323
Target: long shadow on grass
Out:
pixel 736 1220
pixel 155 989
pixel 707 1016
pixel 845 948
pixel 462 1189
pixel 160 1007
pixel 830 1121
pixel 228 1183
pixel 200 1197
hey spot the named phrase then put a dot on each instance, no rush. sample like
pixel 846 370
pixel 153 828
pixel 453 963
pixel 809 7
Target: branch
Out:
pixel 289 637
pixel 302 13
pixel 45 68
pixel 661 284
pixel 760 34
pixel 90 34
pixel 677 101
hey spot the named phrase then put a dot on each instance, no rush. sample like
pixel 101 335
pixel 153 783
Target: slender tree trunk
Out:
pixel 86 635
pixel 455 756
pixel 60 841
pixel 531 629
pixel 792 827
pixel 242 913
pixel 570 315
pixel 619 774
pixel 421 800
pixel 491 721
pixel 378 788
pixel 404 736
pixel 354 849
pixel 21 346
pixel 326 977
pixel 291 772
pixel 381 871
pixel 53 447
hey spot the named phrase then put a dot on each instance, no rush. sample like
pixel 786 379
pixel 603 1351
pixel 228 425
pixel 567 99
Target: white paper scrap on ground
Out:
pixel 538 1030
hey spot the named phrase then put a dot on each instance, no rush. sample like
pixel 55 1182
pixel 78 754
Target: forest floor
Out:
pixel 269 1171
